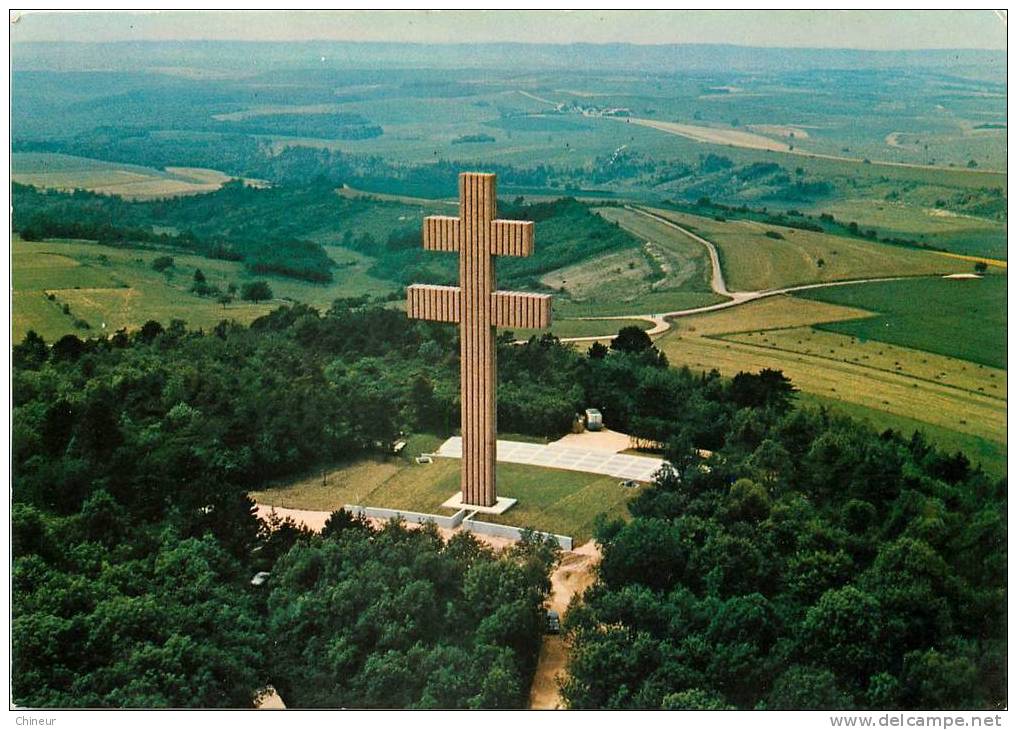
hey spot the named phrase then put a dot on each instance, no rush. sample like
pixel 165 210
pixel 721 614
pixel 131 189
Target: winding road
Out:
pixel 717 284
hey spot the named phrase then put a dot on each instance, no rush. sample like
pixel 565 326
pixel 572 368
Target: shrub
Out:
pixel 161 263
pixel 256 291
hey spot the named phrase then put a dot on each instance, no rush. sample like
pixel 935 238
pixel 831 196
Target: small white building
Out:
pixel 594 421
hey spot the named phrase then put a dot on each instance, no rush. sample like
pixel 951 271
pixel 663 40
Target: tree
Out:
pixel 161 263
pixel 807 688
pixel 981 267
pixel 255 291
pixel 767 388
pixel 68 347
pixel 31 353
pixel 597 351
pixel 844 631
pixel 150 330
pixel 696 699
pixel 199 276
pixel 631 339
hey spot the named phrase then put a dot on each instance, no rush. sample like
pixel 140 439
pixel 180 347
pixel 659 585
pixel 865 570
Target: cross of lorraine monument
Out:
pixel 475 305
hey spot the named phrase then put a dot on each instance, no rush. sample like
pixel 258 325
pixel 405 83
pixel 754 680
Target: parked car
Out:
pixel 553 623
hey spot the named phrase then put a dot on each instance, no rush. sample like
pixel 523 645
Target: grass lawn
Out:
pixel 753 261
pixel 963 318
pixel 551 500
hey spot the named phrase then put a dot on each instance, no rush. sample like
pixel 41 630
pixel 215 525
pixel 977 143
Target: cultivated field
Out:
pixel 947 393
pixel 552 500
pixel 965 234
pixel 753 261
pixel 133 182
pixel 961 318
pixel 713 135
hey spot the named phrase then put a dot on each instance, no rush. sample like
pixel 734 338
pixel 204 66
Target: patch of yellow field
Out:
pixel 780 130
pixel 927 366
pixel 980 259
pixel 683 262
pixel 766 314
pixel 979 415
pixel 200 174
pixel 753 261
pixel 627 269
pixel 775 333
pixel 269 110
pixel 712 135
pixel 155 188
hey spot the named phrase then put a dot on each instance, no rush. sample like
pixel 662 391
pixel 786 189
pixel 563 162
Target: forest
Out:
pixel 275 230
pixel 806 561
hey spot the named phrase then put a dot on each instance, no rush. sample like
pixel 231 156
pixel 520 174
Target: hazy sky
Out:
pixel 820 29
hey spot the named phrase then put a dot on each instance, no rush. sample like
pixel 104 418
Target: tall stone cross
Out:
pixel 475 305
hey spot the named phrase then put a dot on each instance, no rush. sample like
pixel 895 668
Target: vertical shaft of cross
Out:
pixel 477 353
pixel 478 309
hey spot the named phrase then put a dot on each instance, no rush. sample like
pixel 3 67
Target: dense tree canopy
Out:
pixel 809 562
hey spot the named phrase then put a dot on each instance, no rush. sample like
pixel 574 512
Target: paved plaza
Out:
pixel 594 461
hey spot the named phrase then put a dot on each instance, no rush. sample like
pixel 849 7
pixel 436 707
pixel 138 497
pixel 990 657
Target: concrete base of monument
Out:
pixel 502 505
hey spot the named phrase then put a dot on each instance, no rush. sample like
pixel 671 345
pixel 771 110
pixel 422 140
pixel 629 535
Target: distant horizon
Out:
pixel 512 43
pixel 854 30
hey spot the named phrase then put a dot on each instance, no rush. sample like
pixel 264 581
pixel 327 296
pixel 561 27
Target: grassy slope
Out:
pixel 67 172
pixel 553 500
pixel 963 318
pixel 925 223
pixel 666 272
pixel 753 261
pixel 119 287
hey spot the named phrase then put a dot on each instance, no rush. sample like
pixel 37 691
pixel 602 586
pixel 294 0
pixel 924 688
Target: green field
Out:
pixel 922 221
pixel 962 318
pixel 948 394
pixel 118 287
pixel 753 261
pixel 551 500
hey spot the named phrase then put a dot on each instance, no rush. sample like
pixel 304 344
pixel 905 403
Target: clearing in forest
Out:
pixel 550 500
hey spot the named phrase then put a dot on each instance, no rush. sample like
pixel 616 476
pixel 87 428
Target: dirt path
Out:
pixel 573 575
pixel 536 98
pixel 719 286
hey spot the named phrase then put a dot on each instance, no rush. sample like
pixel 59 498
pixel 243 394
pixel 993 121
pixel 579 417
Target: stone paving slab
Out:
pixel 552 456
